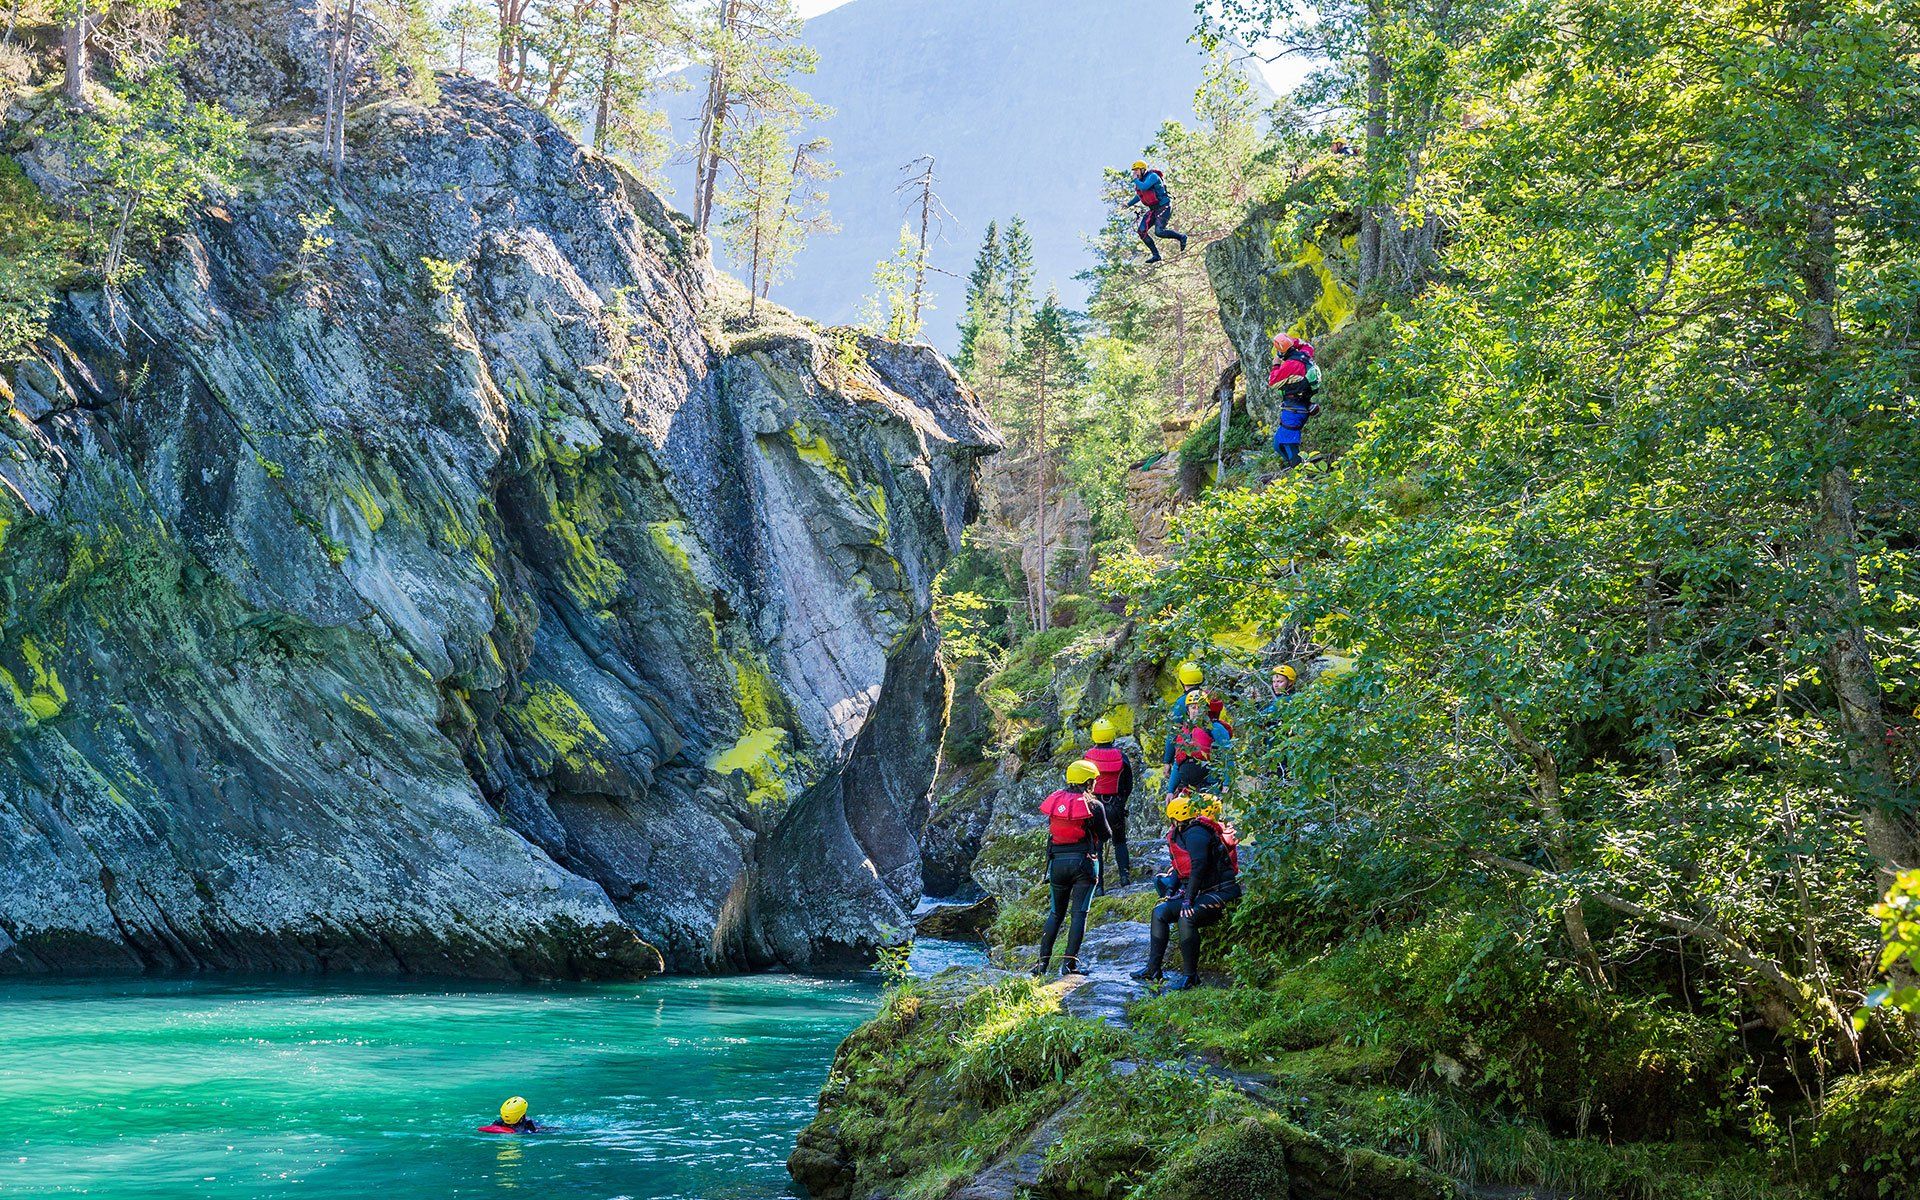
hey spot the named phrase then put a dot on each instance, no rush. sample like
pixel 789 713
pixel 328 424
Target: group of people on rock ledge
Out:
pixel 1089 814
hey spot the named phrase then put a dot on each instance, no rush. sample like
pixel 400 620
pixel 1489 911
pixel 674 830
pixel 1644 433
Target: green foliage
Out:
pixel 1246 1160
pixel 152 155
pixel 1867 1142
pixel 1018 1041
pixel 776 197
pixel 1899 916
pixel 39 254
pixel 888 311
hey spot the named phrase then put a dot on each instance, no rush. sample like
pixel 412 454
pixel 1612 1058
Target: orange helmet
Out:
pixel 1283 342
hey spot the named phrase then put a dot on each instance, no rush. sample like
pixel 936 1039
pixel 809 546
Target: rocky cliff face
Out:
pixel 483 592
pixel 1269 279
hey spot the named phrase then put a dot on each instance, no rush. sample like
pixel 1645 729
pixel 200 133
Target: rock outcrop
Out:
pixel 481 591
pixel 1269 279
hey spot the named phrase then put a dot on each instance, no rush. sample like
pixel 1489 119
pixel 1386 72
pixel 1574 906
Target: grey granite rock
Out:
pixel 548 621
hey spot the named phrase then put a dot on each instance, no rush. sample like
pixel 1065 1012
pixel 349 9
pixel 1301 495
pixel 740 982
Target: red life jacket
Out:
pixel 1067 816
pixel 1152 195
pixel 1109 760
pixel 497 1127
pixel 1195 743
pixel 1183 862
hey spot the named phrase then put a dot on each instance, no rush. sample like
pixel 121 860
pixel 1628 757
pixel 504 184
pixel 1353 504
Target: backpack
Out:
pixel 1299 392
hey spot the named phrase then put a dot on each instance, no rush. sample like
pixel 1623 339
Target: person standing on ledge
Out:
pixel 1113 789
pixel 1076 827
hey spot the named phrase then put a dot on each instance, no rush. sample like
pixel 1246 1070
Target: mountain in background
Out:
pixel 1022 104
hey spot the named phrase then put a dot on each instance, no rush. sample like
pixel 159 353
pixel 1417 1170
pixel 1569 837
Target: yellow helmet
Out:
pixel 1139 166
pixel 1191 674
pixel 513 1110
pixel 1082 771
pixel 1104 732
pixel 1207 804
pixel 1288 671
pixel 1180 808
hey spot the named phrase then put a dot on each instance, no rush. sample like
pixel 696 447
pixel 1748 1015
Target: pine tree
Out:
pixel 1049 364
pixel 752 50
pixel 1017 278
pixel 985 294
pixel 470 29
pixel 775 199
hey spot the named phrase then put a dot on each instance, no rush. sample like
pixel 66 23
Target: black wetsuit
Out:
pixel 1207 890
pixel 1072 873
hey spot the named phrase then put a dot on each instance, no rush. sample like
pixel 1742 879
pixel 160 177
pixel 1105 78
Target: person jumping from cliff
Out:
pixel 1298 380
pixel 1150 191
pixel 1113 788
pixel 1076 827
pixel 1205 879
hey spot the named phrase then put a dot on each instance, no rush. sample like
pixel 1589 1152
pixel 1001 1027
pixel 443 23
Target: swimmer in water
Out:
pixel 513 1119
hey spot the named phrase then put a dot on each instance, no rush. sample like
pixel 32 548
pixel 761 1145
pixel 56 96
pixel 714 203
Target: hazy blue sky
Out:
pixel 1280 76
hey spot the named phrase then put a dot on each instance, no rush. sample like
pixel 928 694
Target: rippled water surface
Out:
pixel 673 1088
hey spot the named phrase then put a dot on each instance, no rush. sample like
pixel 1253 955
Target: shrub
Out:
pixel 1246 1160
pixel 1867 1143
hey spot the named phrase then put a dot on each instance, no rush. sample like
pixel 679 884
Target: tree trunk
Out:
pixel 603 103
pixel 1040 491
pixel 1379 72
pixel 1225 389
pixel 509 11
pixel 76 48
pixel 706 162
pixel 1891 838
pixel 342 89
pixel 1553 817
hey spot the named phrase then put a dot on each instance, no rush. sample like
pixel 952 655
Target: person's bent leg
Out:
pixel 1144 230
pixel 1190 948
pixel 1161 217
pixel 1163 915
pixel 1117 821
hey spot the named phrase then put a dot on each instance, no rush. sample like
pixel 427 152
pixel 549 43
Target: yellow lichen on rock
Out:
pixel 816 450
pixel 554 717
pixel 761 748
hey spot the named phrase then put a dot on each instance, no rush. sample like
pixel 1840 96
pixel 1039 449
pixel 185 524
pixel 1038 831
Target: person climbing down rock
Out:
pixel 1076 827
pixel 1190 748
pixel 513 1119
pixel 1113 789
pixel 1205 879
pixel 1150 190
pixel 1298 379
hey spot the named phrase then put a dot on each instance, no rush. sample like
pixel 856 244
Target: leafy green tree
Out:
pixel 1620 550
pixel 469 27
pixel 888 310
pixel 39 254
pixel 751 50
pixel 152 156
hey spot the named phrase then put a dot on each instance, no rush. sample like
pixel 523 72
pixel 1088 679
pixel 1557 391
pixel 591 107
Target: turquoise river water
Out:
pixel 673 1088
